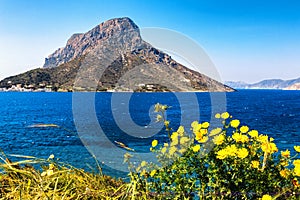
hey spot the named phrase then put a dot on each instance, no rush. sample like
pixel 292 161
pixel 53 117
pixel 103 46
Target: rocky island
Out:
pixel 111 57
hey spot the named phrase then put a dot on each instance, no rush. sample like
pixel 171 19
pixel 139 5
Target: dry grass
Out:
pixel 33 178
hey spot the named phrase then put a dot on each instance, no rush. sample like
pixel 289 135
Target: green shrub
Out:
pixel 227 162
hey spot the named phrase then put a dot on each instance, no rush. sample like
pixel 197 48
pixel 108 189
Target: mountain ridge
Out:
pixel 266 84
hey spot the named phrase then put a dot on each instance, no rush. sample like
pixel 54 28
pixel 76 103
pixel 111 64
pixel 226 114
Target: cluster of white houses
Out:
pixel 27 88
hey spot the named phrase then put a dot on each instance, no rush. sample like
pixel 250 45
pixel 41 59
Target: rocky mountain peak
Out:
pixel 124 30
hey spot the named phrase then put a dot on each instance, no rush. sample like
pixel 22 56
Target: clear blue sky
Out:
pixel 247 40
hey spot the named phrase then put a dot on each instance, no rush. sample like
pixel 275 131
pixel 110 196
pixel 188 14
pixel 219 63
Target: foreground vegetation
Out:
pixel 226 162
pixel 50 180
pixel 202 162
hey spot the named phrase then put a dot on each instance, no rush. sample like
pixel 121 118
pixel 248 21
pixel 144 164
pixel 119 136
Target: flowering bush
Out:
pixel 226 162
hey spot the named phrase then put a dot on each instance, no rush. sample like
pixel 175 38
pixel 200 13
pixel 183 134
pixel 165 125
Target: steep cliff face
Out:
pixel 113 56
pixel 125 32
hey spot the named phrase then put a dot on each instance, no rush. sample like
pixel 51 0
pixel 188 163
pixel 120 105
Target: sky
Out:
pixel 246 40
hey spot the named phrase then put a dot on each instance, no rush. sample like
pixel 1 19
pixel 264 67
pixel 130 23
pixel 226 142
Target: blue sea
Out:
pixel 129 118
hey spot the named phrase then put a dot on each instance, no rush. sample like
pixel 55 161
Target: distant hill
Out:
pixel 292 84
pixel 113 56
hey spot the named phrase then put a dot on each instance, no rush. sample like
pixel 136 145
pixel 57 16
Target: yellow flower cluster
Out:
pixel 219 139
pixel 269 147
pixel 284 173
pixel 255 164
pixel 232 151
pixel 239 137
pixel 179 143
pixel 200 131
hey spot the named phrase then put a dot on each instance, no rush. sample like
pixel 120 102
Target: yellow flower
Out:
pixel 196 148
pixel 164 149
pixel 203 131
pixel 180 130
pixel 255 164
pixel 154 143
pixel 196 127
pixel 269 147
pixel 143 163
pixel 51 156
pixel 296 162
pixel 266 197
pixel 219 139
pixel 297 170
pixel 244 129
pixel 262 138
pixel 297 148
pixel 242 153
pixel 253 133
pixel 153 172
pixel 231 150
pixel 205 125
pixel 199 136
pixel 184 140
pixel 174 142
pixel 218 116
pixel 194 124
pixel 284 173
pixel 215 131
pixel 174 135
pixel 235 123
pixel 238 137
pixel 225 115
pixel 172 150
pixel 285 153
pixel 166 144
pixel 203 139
pixel 222 154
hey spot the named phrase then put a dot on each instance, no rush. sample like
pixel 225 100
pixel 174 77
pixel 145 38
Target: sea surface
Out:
pixel 118 115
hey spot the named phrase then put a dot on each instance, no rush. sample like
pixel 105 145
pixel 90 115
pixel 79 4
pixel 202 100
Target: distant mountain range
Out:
pixel 112 56
pixel 293 84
